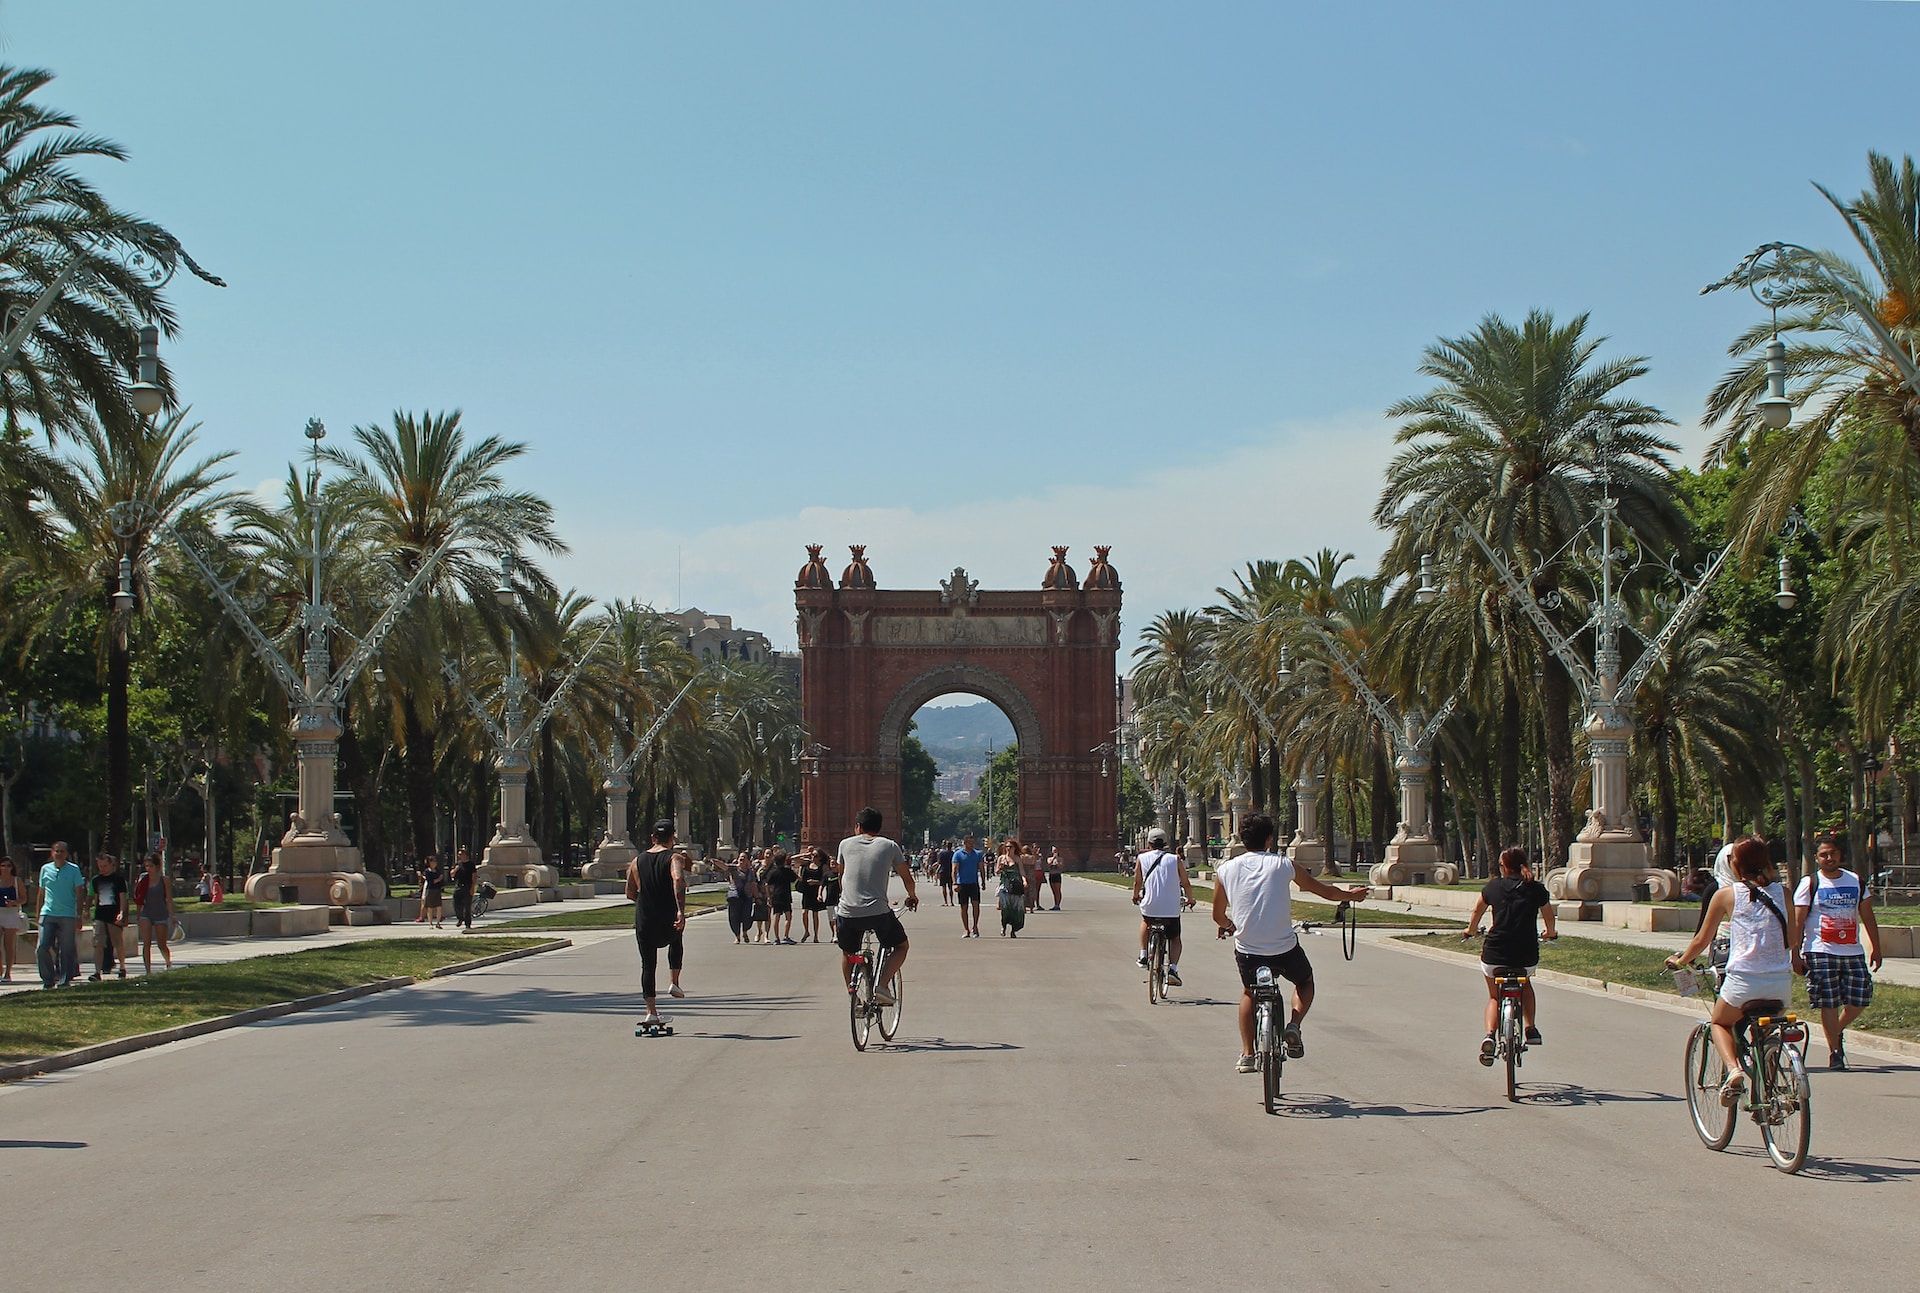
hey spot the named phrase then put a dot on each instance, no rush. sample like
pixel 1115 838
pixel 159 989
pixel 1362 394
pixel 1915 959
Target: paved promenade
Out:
pixel 1038 1126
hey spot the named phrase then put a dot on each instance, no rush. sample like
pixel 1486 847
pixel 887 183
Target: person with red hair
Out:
pixel 1762 932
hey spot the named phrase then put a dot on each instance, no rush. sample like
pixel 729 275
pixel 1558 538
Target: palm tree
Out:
pixel 70 369
pixel 1519 439
pixel 146 466
pixel 417 484
pixel 1851 376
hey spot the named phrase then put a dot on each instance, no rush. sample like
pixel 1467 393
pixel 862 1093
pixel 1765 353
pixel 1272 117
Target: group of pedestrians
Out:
pixel 762 886
pixel 435 879
pixel 106 899
pixel 1021 870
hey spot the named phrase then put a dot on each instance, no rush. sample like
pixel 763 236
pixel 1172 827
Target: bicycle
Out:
pixel 1509 1038
pixel 1156 962
pixel 1767 1040
pixel 1269 1051
pixel 863 1012
pixel 1345 921
pixel 482 899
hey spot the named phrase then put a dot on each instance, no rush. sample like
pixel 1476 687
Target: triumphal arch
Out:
pixel 870 657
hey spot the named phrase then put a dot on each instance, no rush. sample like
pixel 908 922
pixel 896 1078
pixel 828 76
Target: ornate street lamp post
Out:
pixel 315 858
pixel 513 857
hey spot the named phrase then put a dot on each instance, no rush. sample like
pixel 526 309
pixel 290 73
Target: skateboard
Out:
pixel 653 1028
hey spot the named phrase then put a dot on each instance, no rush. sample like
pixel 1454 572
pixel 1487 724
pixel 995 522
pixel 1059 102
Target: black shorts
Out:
pixel 1291 965
pixel 783 906
pixel 810 902
pixel 967 892
pixel 1171 924
pixel 946 877
pixel 886 927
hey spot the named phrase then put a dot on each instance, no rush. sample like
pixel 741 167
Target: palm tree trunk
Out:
pixel 1509 760
pixel 1557 698
pixel 1385 807
pixel 419 776
pixel 119 775
pixel 1666 804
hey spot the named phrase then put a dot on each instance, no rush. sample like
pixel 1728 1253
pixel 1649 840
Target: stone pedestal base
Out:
pixel 321 874
pixel 1607 870
pixel 1310 856
pixel 727 852
pixel 516 866
pixel 1194 855
pixel 1412 862
pixel 610 862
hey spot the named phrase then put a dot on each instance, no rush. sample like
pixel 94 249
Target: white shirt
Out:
pixel 1160 894
pixel 1259 889
pixel 1756 935
pixel 1833 920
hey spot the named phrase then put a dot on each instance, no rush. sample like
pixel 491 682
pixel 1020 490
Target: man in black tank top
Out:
pixel 657 886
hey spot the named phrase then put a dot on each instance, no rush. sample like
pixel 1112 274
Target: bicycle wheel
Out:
pixel 1271 1060
pixel 1705 1072
pixel 1787 1121
pixel 890 1015
pixel 1510 1042
pixel 860 1004
pixel 1156 958
pixel 1349 934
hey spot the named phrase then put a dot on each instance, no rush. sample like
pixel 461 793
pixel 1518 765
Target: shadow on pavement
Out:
pixel 745 1037
pixel 1309 1104
pixel 1565 1093
pixel 524 1005
pixel 43 1144
pixel 1836 1169
pixel 942 1044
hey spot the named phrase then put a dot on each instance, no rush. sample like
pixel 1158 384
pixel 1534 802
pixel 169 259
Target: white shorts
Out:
pixel 1489 969
pixel 1738 987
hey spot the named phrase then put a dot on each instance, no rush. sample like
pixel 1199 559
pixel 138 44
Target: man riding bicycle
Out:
pixel 1162 890
pixel 1514 898
pixel 866 861
pixel 1253 903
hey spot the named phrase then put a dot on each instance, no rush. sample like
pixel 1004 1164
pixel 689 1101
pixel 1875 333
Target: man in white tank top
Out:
pixel 1162 890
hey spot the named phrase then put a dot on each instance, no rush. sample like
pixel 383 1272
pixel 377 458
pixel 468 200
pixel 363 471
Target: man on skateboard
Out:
pixel 657 887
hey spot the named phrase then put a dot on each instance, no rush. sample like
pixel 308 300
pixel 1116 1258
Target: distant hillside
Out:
pixel 959 735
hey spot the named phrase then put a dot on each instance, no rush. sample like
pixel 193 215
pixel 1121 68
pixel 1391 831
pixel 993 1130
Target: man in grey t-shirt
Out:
pixel 866 862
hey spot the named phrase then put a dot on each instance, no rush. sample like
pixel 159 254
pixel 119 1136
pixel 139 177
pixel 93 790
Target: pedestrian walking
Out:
pixel 433 887
pixel 943 870
pixel 781 878
pixel 57 954
pixel 762 902
pixel 153 900
pixel 1836 912
pixel 967 866
pixel 107 896
pixel 1055 873
pixel 831 895
pixel 657 888
pixel 740 886
pixel 13 919
pixel 464 872
pixel 812 885
pixel 1030 864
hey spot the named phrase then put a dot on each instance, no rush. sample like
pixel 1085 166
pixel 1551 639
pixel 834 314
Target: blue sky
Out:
pixel 958 282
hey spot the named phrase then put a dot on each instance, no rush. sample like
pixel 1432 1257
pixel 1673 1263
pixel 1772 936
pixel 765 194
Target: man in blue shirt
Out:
pixel 57 951
pixel 966 886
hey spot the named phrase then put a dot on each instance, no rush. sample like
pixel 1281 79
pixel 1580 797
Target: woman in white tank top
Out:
pixel 1761 928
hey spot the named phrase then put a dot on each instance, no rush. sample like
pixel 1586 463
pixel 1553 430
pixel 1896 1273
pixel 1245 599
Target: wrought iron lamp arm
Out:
pixel 1382 713
pixel 1246 694
pixel 1556 642
pixel 371 640
pixel 653 732
pixel 126 518
pixel 1807 261
pixel 1657 648
pixel 1424 741
pixel 451 673
pixel 524 738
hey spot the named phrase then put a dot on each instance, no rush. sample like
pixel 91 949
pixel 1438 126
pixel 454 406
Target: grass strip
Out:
pixel 1895 1011
pixel 33 1024
pixel 1317 911
pixel 618 917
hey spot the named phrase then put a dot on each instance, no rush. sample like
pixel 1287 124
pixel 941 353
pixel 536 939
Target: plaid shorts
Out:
pixel 1835 981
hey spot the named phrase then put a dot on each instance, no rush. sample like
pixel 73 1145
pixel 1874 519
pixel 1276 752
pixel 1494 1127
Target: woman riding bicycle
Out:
pixel 1761 931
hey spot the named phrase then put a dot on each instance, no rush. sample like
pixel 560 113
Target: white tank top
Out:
pixel 1160 892
pixel 1756 943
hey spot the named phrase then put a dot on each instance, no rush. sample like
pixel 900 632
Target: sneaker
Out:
pixel 1733 1088
pixel 93 978
pixel 881 997
pixel 1837 1060
pixel 1173 978
pixel 123 971
pixel 1246 1064
pixel 1533 1037
pixel 1296 1045
pixel 1488 1048
pixel 1142 962
pixel 676 991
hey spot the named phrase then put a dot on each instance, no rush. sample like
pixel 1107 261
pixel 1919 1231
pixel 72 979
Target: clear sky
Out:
pixel 955 281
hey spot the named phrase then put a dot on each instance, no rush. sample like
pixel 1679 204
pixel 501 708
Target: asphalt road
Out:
pixel 1036 1124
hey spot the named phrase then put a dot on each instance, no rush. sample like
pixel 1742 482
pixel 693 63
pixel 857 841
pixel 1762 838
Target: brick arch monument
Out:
pixel 870 657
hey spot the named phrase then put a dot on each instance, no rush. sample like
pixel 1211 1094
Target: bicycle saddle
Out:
pixel 1762 1007
pixel 1509 971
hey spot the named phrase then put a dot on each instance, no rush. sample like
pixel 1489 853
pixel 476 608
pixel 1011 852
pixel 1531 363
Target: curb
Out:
pixel 145 1041
pixel 1660 1000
